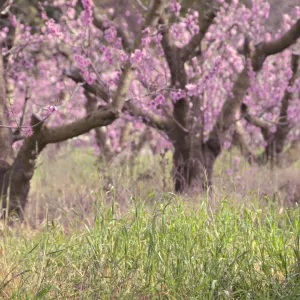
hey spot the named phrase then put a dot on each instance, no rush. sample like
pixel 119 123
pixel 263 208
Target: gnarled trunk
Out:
pixel 192 166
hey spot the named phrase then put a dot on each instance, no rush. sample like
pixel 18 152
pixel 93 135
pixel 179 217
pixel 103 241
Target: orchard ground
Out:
pixel 94 231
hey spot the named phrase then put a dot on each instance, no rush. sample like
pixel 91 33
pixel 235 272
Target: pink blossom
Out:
pixel 229 172
pixel 110 34
pixel 28 131
pixel 191 89
pixel 175 7
pixel 177 95
pixel 51 108
pixel 226 145
pixel 13 20
pixel 159 99
pixel 137 56
pixel 88 11
pixel 236 160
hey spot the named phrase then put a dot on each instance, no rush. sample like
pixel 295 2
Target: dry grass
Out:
pixel 65 185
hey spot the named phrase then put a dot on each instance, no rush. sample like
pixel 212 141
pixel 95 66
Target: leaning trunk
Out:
pixel 15 174
pixel 15 181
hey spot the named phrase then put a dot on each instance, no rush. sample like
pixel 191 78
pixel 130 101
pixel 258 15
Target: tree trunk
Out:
pixel 6 150
pixel 100 135
pixel 15 174
pixel 15 181
pixel 192 166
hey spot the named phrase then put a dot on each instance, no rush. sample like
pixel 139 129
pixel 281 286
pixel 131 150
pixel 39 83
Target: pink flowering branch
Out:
pixel 98 22
pixel 107 114
pixel 242 83
pixel 189 50
pixel 275 142
pixel 148 117
pixel 102 90
pixel 176 58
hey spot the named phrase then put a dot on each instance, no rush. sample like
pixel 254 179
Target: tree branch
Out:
pixel 239 138
pixel 241 85
pixel 188 51
pixel 283 128
pixel 102 117
pixel 256 121
pixel 265 49
pixel 98 22
pixel 101 138
pixel 276 141
pixel 109 113
pixel 172 53
pixel 97 88
pixel 229 109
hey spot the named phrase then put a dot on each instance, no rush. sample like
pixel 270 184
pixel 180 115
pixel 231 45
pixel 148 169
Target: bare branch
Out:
pixel 97 89
pixel 155 13
pixel 254 120
pixel 265 49
pixel 101 138
pixel 239 138
pixel 230 107
pixel 102 117
pixel 17 137
pixel 145 8
pixel 171 52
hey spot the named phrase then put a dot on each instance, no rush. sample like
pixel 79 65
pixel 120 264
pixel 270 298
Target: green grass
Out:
pixel 167 252
pixel 114 232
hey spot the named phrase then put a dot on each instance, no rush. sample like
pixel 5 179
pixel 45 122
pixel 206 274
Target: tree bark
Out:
pixel 193 167
pixel 100 135
pixel 6 150
pixel 16 181
pixel 193 160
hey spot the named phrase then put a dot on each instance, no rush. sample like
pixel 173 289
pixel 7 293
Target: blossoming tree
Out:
pixel 204 70
pixel 198 78
pixel 20 51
